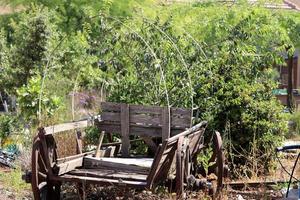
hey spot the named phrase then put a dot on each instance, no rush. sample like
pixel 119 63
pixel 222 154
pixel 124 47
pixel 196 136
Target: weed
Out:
pixel 13 181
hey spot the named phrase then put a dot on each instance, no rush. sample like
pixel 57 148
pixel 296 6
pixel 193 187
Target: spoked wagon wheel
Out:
pixel 218 161
pixel 42 188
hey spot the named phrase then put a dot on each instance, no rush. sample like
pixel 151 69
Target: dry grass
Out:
pixel 66 144
pixel 5 9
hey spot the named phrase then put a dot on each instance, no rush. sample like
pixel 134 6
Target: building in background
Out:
pixel 281 92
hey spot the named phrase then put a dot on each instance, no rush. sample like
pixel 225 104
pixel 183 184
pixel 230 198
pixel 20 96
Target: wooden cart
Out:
pixel 175 156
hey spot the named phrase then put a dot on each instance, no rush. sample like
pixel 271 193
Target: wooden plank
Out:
pixel 110 106
pixel 201 125
pixel 111 116
pixel 181 122
pixel 184 112
pixel 156 161
pixel 179 167
pixel 66 126
pixel 142 162
pixel 109 127
pixel 68 166
pixel 145 119
pixel 125 130
pixel 116 163
pixel 161 164
pixel 65 159
pixel 136 128
pixel 166 129
pixel 110 173
pixel 99 181
pixel 139 130
pixel 140 109
pixel 196 141
pixel 97 153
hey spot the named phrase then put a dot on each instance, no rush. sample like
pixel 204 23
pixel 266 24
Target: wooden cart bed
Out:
pixel 180 144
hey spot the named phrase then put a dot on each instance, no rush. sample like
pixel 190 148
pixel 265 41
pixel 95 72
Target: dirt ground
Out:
pixel 243 192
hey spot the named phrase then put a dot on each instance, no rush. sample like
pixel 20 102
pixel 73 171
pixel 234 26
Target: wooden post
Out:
pixel 125 130
pixel 179 168
pixel 97 153
pixel 290 103
pixel 79 141
pixel 166 123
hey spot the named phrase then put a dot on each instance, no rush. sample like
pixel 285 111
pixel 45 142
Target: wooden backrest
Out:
pixel 165 153
pixel 144 121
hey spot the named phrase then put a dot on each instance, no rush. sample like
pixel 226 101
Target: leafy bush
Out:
pixel 9 125
pixel 29 98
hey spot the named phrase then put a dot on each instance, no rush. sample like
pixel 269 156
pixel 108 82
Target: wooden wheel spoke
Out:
pixel 41 163
pixel 42 177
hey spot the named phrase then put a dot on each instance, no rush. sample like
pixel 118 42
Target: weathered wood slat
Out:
pixel 141 166
pixel 109 173
pixel 145 119
pixel 125 130
pixel 97 153
pixel 162 163
pixel 180 122
pixel 166 124
pixel 68 166
pixel 181 112
pixel 102 125
pixel 66 126
pixel 65 159
pixel 111 116
pixel 141 109
pixel 134 130
pixel 179 167
pixel 99 181
pixel 142 162
pixel 109 106
pixel 201 125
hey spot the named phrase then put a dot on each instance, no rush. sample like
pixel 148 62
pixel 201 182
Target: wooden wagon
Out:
pixel 166 131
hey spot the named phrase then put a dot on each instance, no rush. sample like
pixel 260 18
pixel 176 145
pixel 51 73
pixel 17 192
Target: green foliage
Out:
pixel 28 47
pixel 8 125
pixel 203 159
pixel 28 99
pixel 91 135
pixel 13 181
pixel 220 65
